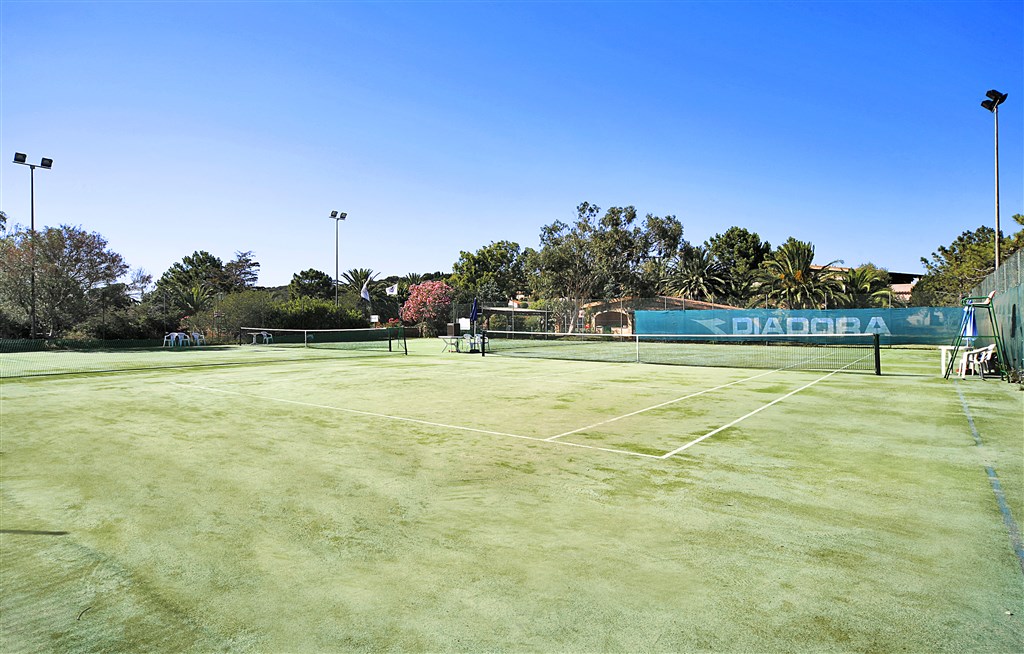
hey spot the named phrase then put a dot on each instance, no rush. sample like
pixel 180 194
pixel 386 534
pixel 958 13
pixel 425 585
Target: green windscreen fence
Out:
pixel 1008 306
pixel 897 326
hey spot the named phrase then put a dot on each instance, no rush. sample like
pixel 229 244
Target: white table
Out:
pixel 945 351
pixel 464 343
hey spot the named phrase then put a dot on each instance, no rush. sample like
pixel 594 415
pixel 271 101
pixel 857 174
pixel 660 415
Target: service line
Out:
pixel 742 418
pixel 412 420
pixel 658 406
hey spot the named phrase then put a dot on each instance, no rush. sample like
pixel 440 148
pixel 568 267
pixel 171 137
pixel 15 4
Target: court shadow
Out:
pixel 33 532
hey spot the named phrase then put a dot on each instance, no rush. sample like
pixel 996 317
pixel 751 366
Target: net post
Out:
pixel 483 342
pixel 389 339
pixel 875 340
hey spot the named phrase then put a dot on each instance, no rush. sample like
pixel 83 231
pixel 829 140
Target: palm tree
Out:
pixel 865 287
pixel 194 298
pixel 357 277
pixel 790 280
pixel 410 280
pixel 695 274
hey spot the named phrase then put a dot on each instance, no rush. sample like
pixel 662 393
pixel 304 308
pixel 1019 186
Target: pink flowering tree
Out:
pixel 428 307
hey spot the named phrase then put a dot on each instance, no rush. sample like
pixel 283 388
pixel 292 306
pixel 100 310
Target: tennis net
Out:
pixel 385 339
pixel 817 352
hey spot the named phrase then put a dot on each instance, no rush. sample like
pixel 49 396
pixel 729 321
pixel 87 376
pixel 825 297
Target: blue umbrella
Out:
pixel 474 312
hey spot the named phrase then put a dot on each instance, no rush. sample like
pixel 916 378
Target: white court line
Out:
pixel 742 418
pixel 412 420
pixel 657 406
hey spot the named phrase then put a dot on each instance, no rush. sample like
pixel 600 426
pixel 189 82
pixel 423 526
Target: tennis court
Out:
pixel 307 499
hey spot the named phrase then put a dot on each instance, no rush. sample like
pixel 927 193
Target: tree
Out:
pixel 311 283
pixel 863 287
pixel 241 273
pixel 315 313
pixel 200 269
pixel 739 248
pixel 695 274
pixel 664 239
pixel 69 263
pixel 381 304
pixel 790 281
pixel 139 283
pixel 112 317
pixel 428 306
pixel 603 255
pixel 194 298
pixel 619 249
pixel 954 270
pixel 740 253
pixel 494 272
pixel 564 266
pixel 356 280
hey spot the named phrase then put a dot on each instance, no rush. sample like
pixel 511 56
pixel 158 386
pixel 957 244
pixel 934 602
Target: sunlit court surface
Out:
pixel 321 500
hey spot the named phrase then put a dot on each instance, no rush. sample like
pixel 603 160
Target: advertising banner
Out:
pixel 919 325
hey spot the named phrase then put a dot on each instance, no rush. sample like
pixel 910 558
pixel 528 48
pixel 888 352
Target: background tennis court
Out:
pixel 454 502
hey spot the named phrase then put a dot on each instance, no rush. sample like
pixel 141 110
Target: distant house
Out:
pixel 617 316
pixel 901 283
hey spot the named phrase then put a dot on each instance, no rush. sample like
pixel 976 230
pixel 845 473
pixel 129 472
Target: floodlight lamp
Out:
pixel 989 104
pixel 996 95
pixel 343 215
pixel 334 214
pixel 20 157
pixel 46 163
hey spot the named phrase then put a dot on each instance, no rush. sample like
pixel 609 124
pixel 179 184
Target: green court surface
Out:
pixel 335 501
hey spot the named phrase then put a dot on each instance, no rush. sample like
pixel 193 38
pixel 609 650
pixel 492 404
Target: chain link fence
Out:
pixel 1008 304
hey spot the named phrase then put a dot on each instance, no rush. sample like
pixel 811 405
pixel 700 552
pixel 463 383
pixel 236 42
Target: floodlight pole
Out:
pixel 338 216
pixel 992 104
pixel 45 164
pixel 32 244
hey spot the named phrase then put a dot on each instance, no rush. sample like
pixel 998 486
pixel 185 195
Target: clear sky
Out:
pixel 444 126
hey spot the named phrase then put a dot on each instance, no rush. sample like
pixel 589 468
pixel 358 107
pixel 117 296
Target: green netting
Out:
pixel 852 352
pixel 30 358
pixel 389 339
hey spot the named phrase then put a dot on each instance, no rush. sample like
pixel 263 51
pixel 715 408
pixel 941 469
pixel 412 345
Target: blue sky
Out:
pixel 443 126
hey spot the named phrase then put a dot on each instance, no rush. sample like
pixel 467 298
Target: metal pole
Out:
pixel 878 353
pixel 32 246
pixel 336 221
pixel 995 111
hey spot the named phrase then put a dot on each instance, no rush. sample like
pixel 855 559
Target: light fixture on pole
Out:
pixel 338 216
pixel 995 98
pixel 45 164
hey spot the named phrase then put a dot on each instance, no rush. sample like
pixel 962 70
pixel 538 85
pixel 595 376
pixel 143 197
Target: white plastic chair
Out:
pixel 168 340
pixel 976 361
pixel 198 339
